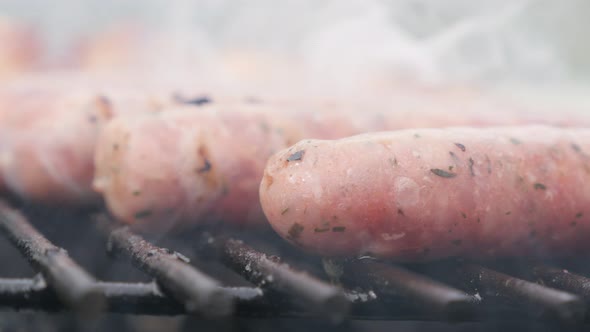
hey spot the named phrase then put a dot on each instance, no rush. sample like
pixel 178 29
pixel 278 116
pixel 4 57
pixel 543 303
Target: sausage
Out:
pixel 185 165
pixel 425 194
pixel 20 49
pixel 48 135
pixel 150 178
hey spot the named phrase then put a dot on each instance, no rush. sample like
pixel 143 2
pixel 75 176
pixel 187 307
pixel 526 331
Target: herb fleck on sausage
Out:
pixel 454 156
pixel 197 101
pixel 471 162
pixel 203 153
pixel 460 146
pixel 285 210
pixel 143 214
pixel 264 127
pixel 296 156
pixel 576 147
pixel 206 167
pixel 338 229
pixel 400 212
pixel 442 173
pixel 295 231
pixel 393 161
pixel 489 162
pixel 225 189
pixel 539 186
pixel 321 230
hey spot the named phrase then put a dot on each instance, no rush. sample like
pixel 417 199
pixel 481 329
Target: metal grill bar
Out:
pixel 73 286
pixel 144 298
pixel 197 291
pixel 386 290
pixel 545 301
pixel 563 279
pixel 424 293
pixel 269 272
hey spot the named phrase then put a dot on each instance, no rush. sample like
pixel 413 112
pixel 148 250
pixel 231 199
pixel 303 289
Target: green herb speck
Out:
pixel 295 231
pixel 460 146
pixel 442 173
pixel 576 147
pixel 539 186
pixel 296 156
pixel 143 214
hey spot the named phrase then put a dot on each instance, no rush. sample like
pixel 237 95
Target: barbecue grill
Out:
pixel 284 285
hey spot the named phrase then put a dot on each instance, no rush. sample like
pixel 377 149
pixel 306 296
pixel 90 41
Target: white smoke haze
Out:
pixel 336 45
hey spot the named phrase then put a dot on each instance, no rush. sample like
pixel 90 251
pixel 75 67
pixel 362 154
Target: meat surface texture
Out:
pixel 425 194
pixel 20 48
pixel 192 165
pixel 48 133
pixel 186 165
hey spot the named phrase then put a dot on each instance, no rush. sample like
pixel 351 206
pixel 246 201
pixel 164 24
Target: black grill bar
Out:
pixel 147 299
pixel 21 294
pixel 269 273
pixel 198 292
pixel 542 300
pixel 134 298
pixel 376 290
pixel 563 279
pixel 421 291
pixel 73 286
pixel 139 297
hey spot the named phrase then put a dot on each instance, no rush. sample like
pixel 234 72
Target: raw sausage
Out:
pixel 48 131
pixel 186 165
pixel 425 194
pixel 150 176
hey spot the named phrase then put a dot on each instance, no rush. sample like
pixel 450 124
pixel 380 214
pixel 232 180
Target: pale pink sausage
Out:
pixel 21 48
pixel 48 133
pixel 162 165
pixel 432 193
pixel 187 166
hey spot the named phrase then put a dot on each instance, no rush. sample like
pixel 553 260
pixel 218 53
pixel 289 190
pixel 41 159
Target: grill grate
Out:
pixel 450 291
pixel 198 292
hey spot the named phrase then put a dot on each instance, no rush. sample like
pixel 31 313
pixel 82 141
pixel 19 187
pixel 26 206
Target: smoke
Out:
pixel 340 43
